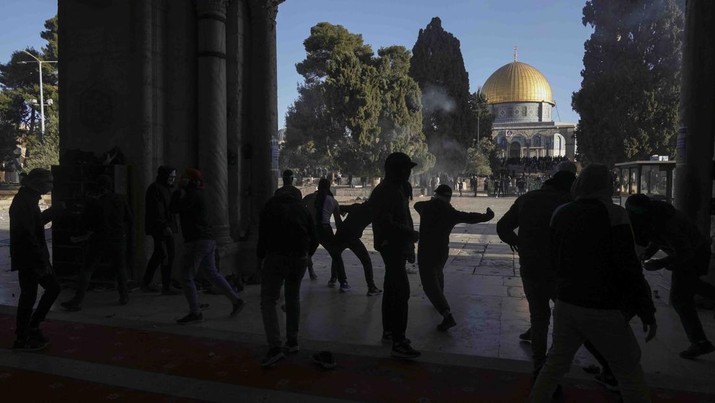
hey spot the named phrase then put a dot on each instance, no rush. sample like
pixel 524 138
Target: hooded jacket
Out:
pixel 193 214
pixel 437 218
pixel 392 224
pixel 531 213
pixel 593 251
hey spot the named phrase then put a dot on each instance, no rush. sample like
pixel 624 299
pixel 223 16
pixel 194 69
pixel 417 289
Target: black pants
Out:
pixel 29 281
pixel 360 251
pixel 432 277
pixel 395 296
pixel 330 243
pixel 114 253
pixel 163 255
pixel 684 284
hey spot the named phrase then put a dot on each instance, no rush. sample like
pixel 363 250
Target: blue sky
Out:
pixel 548 33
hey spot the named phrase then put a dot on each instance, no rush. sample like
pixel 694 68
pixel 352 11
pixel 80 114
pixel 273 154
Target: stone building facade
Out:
pixel 187 83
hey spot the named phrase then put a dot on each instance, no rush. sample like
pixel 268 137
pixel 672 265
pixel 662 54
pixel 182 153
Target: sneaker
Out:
pixel 387 338
pixel 609 381
pixel 324 359
pixel 204 307
pixel 313 276
pixel 237 308
pixel 344 287
pixel 191 318
pixel 373 291
pixel 274 355
pixel 332 281
pixel 29 344
pixel 697 349
pixel 292 347
pixel 71 305
pixel 149 288
pixel 411 270
pixel 404 350
pixel 447 323
pixel 526 336
pixel 169 291
pixel 36 334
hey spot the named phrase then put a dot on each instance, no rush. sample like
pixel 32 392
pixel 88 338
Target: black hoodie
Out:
pixel 157 216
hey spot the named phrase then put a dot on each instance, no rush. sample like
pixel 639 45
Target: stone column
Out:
pixel 212 143
pixel 694 168
pixel 263 94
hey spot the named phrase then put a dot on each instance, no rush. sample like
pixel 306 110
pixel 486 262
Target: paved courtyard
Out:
pixel 481 283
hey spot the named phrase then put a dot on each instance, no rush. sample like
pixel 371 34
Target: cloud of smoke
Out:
pixel 436 99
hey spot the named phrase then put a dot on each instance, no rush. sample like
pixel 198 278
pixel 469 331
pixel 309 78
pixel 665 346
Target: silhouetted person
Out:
pixel 288 187
pixel 531 214
pixel 348 236
pixel 160 224
pixel 325 206
pixel 660 226
pixel 437 219
pixel 30 257
pixel 109 220
pixel 287 237
pixel 598 271
pixel 190 202
pixel 395 237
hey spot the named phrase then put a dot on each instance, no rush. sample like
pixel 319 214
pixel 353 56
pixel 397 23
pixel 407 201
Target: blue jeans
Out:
pixel 276 271
pixel 202 254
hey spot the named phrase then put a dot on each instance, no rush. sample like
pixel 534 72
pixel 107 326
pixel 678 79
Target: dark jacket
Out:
pixel 531 213
pixel 286 228
pixel 28 247
pixel 157 215
pixel 437 218
pixel 391 221
pixel 289 190
pixel 193 213
pixel 109 218
pixel 593 252
pixel 359 217
pixel 671 231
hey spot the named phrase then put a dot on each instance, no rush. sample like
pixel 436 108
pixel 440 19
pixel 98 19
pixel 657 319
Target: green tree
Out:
pixel 628 101
pixel 447 119
pixel 353 108
pixel 19 97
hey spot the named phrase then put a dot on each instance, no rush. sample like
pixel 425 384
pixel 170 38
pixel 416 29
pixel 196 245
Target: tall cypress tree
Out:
pixel 628 101
pixel 447 120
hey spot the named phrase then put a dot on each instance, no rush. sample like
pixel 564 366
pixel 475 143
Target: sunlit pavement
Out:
pixel 481 283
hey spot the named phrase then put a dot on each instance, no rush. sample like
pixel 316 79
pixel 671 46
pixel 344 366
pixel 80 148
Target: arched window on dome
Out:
pixel 515 149
pixel 536 141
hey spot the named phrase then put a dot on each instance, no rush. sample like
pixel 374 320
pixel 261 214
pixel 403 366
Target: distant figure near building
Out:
pixel 110 221
pixel 160 224
pixel 189 201
pixel 287 238
pixel 437 219
pixel 288 187
pixel 659 226
pixel 30 257
pixel 395 238
pixel 599 276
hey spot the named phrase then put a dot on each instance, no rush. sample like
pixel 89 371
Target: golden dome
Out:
pixel 517 82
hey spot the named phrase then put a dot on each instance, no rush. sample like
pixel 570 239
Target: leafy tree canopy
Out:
pixel 628 101
pixel 20 97
pixel 354 107
pixel 448 121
